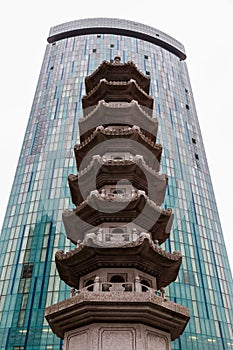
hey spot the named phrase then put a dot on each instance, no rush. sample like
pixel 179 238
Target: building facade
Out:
pixel 33 231
pixel 117 269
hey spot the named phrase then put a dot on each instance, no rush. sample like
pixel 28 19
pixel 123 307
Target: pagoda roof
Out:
pixel 142 254
pixel 118 113
pixel 110 139
pixel 99 208
pixel 116 91
pixel 117 71
pixel 102 172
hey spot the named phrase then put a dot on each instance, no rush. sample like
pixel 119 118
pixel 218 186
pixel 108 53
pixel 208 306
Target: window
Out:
pixel 51 68
pixel 89 283
pixel 145 284
pixel 194 141
pixel 196 156
pixel 118 230
pixel 118 157
pixel 117 279
pixel 186 90
pixel 98 36
pixel 118 190
pixel 27 271
pixel 147 72
pixel 93 50
pixel 186 277
pixel 187 107
pixel 112 45
pixel 113 279
pixel 146 57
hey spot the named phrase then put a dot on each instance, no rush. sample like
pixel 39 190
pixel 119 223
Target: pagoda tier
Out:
pixel 117 91
pixel 118 113
pixel 101 172
pixel 142 254
pixel 117 71
pixel 101 208
pixel 118 139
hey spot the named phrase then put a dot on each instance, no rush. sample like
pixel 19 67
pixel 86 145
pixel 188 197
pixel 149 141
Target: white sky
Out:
pixel 205 28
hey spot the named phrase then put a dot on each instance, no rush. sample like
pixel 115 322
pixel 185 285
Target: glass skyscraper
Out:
pixel 33 231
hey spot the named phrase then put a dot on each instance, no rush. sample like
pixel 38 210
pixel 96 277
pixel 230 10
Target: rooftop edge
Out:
pixel 118 27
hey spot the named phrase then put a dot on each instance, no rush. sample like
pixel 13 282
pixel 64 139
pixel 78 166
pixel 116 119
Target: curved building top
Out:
pixel 116 26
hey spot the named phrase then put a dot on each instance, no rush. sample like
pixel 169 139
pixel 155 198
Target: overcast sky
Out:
pixel 205 28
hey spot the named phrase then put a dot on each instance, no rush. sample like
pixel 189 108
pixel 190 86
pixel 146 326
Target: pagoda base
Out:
pixel 117 321
pixel 121 336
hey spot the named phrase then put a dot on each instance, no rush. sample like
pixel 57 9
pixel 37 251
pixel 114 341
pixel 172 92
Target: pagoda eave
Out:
pixel 96 210
pixel 101 173
pixel 130 113
pixel 116 91
pixel 120 71
pixel 142 254
pixel 104 140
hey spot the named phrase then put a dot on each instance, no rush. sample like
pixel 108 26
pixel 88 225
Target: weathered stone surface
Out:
pixel 113 307
pixel 104 336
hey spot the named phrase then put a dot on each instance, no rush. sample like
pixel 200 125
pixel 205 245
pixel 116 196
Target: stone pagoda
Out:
pixel 117 270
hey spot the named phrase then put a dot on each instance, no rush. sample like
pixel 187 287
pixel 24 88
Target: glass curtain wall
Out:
pixel 33 231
